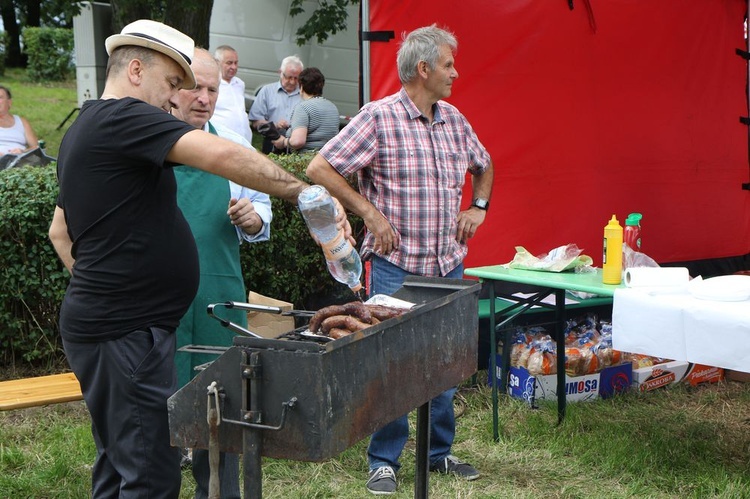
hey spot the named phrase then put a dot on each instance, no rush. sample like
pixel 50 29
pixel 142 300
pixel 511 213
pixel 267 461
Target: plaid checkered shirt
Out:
pixel 412 171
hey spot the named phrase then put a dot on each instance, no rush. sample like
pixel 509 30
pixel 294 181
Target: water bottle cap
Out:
pixel 633 219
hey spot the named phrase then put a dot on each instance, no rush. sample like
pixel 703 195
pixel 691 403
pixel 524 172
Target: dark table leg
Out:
pixel 559 332
pixel 493 363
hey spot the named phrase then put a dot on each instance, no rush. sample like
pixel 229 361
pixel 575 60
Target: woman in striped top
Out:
pixel 315 120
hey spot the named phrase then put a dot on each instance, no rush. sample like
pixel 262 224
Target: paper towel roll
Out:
pixel 656 276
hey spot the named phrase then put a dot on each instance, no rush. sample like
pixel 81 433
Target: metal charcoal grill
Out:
pixel 309 401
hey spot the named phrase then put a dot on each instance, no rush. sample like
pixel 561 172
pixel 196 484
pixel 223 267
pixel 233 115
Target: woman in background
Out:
pixel 16 134
pixel 315 120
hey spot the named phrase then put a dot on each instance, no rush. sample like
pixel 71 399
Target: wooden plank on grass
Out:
pixel 41 390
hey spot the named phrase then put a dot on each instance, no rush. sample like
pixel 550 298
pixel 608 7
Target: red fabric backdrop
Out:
pixel 639 114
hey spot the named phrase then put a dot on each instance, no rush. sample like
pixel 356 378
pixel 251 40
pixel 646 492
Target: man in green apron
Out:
pixel 221 214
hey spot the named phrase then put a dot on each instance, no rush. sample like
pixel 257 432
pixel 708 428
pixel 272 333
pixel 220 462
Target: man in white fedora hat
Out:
pixel 130 252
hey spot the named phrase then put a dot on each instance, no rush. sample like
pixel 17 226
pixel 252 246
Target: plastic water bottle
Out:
pixel 319 212
pixel 612 259
pixel 632 235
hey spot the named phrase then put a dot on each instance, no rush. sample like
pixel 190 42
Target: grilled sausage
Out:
pixel 342 322
pixel 337 333
pixel 384 312
pixel 333 321
pixel 321 314
pixel 358 310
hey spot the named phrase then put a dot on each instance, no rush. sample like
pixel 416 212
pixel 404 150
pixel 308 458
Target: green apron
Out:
pixel 204 200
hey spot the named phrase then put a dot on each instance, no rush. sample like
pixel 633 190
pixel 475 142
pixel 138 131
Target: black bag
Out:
pixel 269 131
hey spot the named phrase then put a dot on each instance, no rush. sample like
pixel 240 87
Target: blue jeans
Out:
pixel 387 443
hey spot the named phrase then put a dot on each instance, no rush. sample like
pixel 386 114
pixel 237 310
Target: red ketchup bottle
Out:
pixel 632 233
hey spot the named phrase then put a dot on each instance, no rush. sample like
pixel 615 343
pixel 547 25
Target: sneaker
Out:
pixel 186 458
pixel 451 465
pixel 382 481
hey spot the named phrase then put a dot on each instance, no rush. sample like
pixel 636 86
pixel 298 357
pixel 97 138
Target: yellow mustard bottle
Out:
pixel 612 258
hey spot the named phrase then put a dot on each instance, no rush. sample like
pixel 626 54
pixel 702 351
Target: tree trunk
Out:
pixel 192 17
pixel 125 12
pixel 13 56
pixel 33 12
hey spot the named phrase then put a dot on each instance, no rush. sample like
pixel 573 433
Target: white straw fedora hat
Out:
pixel 160 37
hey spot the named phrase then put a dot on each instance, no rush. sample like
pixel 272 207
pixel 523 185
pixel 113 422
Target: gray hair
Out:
pixel 219 52
pixel 203 57
pixel 292 60
pixel 422 44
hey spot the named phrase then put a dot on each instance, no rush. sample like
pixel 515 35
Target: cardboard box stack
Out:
pixel 650 373
pixel 593 368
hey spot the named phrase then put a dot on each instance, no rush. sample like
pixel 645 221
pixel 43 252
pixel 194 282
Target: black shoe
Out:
pixel 186 458
pixel 382 481
pixel 451 465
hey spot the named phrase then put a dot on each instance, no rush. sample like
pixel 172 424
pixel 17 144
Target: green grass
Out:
pixel 677 442
pixel 45 105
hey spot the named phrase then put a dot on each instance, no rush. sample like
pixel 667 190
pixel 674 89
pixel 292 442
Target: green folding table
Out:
pixel 511 306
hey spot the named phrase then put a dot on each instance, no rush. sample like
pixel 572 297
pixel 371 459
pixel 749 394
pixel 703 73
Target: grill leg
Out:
pixel 423 452
pixel 251 463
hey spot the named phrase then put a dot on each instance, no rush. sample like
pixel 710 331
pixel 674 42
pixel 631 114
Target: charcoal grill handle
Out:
pixel 285 406
pixel 231 325
pixel 252 307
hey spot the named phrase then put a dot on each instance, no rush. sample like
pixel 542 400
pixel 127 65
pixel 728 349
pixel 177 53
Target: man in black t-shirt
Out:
pixel 130 252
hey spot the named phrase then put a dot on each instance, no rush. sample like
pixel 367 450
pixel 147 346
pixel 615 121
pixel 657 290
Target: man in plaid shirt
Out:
pixel 411 151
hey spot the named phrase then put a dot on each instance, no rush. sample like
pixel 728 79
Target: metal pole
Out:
pixel 252 439
pixel 251 463
pixel 421 478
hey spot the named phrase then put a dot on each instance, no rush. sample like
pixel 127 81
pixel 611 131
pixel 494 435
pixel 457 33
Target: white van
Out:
pixel 263 33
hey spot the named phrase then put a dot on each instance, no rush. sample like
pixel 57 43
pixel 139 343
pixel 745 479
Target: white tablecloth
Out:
pixel 675 325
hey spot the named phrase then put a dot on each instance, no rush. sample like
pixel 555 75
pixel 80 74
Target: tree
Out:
pixel 13 56
pixel 32 13
pixel 126 11
pixel 192 17
pixel 329 17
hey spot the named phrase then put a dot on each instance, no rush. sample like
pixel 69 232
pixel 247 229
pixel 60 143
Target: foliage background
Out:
pixel 32 281
pixel 290 266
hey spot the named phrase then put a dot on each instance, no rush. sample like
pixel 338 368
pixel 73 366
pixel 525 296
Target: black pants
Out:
pixel 126 383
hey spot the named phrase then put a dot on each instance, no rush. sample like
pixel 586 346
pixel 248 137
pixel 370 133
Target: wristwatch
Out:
pixel 481 203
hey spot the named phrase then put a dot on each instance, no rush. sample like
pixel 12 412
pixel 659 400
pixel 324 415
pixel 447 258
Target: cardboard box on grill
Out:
pixel 668 373
pixel 267 324
pixel 604 384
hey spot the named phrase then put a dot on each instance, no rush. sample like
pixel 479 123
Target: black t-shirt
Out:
pixel 136 264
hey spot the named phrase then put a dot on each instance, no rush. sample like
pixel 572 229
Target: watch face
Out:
pixel 480 203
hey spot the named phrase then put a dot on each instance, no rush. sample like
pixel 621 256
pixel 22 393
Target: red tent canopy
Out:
pixel 632 106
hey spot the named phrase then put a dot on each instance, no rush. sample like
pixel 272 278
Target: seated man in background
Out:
pixel 275 101
pixel 315 120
